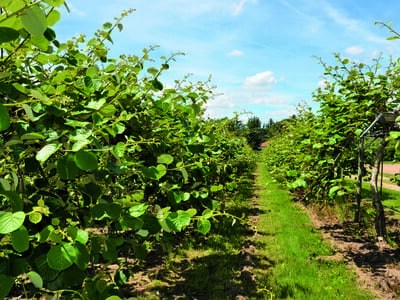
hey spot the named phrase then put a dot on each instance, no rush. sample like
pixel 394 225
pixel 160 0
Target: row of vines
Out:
pixel 99 160
pixel 316 153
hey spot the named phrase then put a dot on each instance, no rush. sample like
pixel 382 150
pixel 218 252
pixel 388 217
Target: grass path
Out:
pixel 274 253
pixel 303 266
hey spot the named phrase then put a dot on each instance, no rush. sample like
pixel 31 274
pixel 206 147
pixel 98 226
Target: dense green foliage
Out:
pixel 317 152
pixel 98 160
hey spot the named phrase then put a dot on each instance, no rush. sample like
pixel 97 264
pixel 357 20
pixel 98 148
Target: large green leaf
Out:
pixel 80 256
pixel 7 283
pixel 155 172
pixel 179 220
pixel 203 226
pixel 66 167
pixel 20 239
pixel 106 210
pixel 47 273
pixel 165 159
pixel 47 151
pixel 53 17
pixel 55 2
pixel 60 257
pixel 10 222
pixel 86 160
pixel 43 44
pixel 4 117
pixel 138 210
pixel 119 149
pixel 8 34
pixel 34 21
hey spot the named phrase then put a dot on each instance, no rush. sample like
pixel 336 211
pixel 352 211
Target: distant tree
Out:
pixel 256 134
pixel 254 123
pixel 236 126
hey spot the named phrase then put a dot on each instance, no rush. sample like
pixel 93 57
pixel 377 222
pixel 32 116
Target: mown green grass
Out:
pixel 301 270
pixel 291 261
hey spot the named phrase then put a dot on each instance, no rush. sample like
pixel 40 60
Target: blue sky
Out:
pixel 260 53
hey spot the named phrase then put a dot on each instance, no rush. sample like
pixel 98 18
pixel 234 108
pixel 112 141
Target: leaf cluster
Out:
pixel 98 159
pixel 316 152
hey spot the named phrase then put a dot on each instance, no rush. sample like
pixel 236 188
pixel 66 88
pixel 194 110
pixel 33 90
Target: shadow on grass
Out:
pixel 215 276
pixel 219 266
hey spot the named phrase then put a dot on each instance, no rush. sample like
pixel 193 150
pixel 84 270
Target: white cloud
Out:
pixel 236 53
pixel 274 100
pixel 238 8
pixel 260 80
pixel 350 25
pixel 220 101
pixel 354 50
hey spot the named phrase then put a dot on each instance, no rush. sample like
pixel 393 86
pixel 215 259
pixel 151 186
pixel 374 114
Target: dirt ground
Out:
pixel 391 168
pixel 375 262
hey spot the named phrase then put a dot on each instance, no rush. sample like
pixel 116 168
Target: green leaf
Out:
pixel 79 255
pixel 130 222
pixel 47 151
pixel 50 34
pixel 53 17
pixel 153 71
pixel 76 123
pixel 59 257
pixel 138 210
pixel 203 226
pixel 96 104
pixel 43 44
pixel 10 222
pixel 66 167
pixel 77 146
pixel 82 236
pixel 394 135
pixel 4 118
pixel 55 2
pixel 103 210
pixel 165 159
pixel 110 68
pixel 32 136
pixel 333 190
pixel 292 173
pixel 7 283
pixel 157 85
pixel 178 220
pixel 35 217
pixel 34 21
pixel 358 132
pixel 86 160
pixel 36 279
pixel 108 110
pixel 185 175
pixel 119 150
pixel 192 212
pixel 155 172
pixel 8 34
pixel 47 273
pixel 216 188
pixel 20 239
pixel 113 298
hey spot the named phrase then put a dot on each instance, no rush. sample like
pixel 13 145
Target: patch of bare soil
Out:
pixel 391 168
pixel 375 262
